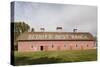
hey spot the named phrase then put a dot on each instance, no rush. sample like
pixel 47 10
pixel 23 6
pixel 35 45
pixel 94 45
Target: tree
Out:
pixel 19 28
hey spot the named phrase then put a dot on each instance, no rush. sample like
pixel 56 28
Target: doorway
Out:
pixel 41 48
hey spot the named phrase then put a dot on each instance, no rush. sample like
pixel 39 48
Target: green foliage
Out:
pixel 19 28
pixel 46 57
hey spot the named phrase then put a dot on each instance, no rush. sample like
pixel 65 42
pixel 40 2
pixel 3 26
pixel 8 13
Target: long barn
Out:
pixel 55 41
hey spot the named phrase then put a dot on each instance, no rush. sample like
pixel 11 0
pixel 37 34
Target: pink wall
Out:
pixel 54 45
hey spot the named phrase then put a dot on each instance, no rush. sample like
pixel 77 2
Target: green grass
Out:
pixel 42 57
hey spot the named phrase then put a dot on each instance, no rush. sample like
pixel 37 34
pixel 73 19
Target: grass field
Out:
pixel 29 58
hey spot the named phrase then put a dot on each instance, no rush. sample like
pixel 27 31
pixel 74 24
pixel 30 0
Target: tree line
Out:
pixel 18 29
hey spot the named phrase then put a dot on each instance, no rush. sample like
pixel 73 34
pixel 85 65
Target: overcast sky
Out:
pixel 49 16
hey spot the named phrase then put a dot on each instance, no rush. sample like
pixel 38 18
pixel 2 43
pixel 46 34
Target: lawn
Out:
pixel 42 57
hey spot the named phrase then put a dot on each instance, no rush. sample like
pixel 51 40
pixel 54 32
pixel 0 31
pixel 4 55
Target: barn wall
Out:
pixel 54 45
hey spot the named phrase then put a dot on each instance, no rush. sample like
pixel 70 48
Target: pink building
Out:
pixel 55 41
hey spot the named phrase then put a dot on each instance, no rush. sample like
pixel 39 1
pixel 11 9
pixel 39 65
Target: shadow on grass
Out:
pixel 45 60
pixel 24 59
pixel 31 61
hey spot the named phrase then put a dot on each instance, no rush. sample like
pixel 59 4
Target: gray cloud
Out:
pixel 37 15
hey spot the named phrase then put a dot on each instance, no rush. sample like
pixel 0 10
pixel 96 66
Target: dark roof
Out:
pixel 55 36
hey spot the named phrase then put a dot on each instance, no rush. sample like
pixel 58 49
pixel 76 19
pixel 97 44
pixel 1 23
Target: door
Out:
pixel 41 48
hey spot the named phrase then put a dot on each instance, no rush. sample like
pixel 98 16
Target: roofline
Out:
pixel 55 40
pixel 59 32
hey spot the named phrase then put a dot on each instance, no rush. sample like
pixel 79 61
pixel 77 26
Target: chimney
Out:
pixel 42 29
pixel 59 29
pixel 74 30
pixel 32 30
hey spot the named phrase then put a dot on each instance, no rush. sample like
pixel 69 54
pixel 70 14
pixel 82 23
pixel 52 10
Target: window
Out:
pixel 52 46
pixel 76 45
pixel 87 45
pixel 64 45
pixel 31 46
